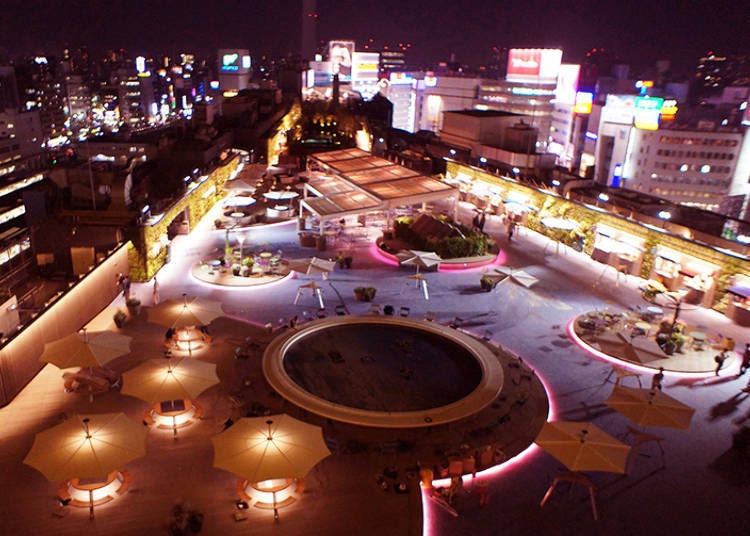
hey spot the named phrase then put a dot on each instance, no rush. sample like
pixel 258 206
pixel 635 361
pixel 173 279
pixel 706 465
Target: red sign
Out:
pixel 524 61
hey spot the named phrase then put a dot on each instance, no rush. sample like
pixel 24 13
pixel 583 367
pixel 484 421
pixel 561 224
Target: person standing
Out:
pixel 745 360
pixel 656 381
pixel 156 292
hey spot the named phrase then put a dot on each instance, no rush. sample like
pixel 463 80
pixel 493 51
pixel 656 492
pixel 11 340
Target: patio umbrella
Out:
pixel 87 446
pixel 86 349
pixel 517 206
pixel 645 407
pixel 311 266
pixel 240 201
pixel 185 313
pixel 519 276
pixel 278 195
pixel 264 448
pixel 420 259
pixel 583 446
pixel 239 185
pixel 157 380
pixel 561 224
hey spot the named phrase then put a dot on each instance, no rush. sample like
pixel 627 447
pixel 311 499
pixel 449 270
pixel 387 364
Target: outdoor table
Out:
pixel 214 262
pixel 652 313
pixel 699 339
pixel 560 224
pixel 237 214
pixel 172 406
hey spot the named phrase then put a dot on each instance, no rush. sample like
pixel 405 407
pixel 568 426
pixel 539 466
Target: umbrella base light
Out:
pixel 82 491
pixel 261 494
pixel 174 413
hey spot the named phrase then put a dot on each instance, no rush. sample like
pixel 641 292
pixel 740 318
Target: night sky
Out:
pixel 637 31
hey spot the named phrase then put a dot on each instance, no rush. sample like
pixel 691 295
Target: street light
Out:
pixel 664 215
pixel 453 152
pixel 603 197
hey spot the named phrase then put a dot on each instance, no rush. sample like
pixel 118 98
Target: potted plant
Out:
pixel 236 269
pixel 365 294
pixel 678 339
pixel 247 266
pixel 134 306
pixel 218 223
pixel 120 318
pixel 486 283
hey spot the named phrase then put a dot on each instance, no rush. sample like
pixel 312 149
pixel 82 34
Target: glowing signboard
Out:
pixel 366 66
pixel 669 109
pixel 341 56
pixel 533 64
pixel 647 112
pixel 567 84
pixel 402 79
pixel 584 102
pixel 230 62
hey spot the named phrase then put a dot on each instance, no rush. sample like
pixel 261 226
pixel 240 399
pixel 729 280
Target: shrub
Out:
pixel 248 261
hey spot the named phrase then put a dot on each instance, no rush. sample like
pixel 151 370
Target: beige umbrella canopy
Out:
pixel 420 259
pixel 311 266
pixel 265 448
pixel 646 407
pixel 86 350
pixel 157 380
pixel 519 276
pixel 87 446
pixel 583 446
pixel 185 313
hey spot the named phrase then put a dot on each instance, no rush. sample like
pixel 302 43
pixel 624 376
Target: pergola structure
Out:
pixel 351 181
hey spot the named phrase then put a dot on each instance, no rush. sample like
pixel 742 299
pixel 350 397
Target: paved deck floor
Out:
pixel 703 488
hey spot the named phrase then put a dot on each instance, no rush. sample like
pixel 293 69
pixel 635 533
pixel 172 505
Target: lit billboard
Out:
pixel 233 61
pixel 401 79
pixel 584 102
pixel 647 112
pixel 619 109
pixel 341 56
pixel 669 109
pixel 567 84
pixel 534 65
pixel 366 67
pixel 321 73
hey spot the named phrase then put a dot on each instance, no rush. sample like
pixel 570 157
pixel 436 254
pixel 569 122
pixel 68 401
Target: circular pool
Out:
pixel 383 371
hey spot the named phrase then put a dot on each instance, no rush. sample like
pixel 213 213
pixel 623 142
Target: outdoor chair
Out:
pixel 404 311
pixel 430 316
pixel 640 438
pixel 375 309
pixel 341 310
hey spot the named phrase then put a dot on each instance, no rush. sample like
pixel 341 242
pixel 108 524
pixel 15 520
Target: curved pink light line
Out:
pixel 429 519
pixel 626 364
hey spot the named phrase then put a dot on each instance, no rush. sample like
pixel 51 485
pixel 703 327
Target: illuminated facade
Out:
pixel 689 167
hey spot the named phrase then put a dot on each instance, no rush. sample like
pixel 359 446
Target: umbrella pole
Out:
pixel 91 504
pixel 174 427
pixel 275 508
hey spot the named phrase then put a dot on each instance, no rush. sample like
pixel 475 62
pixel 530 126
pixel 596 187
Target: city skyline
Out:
pixel 638 32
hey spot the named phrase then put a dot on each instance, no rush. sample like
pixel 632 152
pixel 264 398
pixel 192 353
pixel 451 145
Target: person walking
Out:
pixel 511 228
pixel 656 381
pixel 745 360
pixel 719 359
